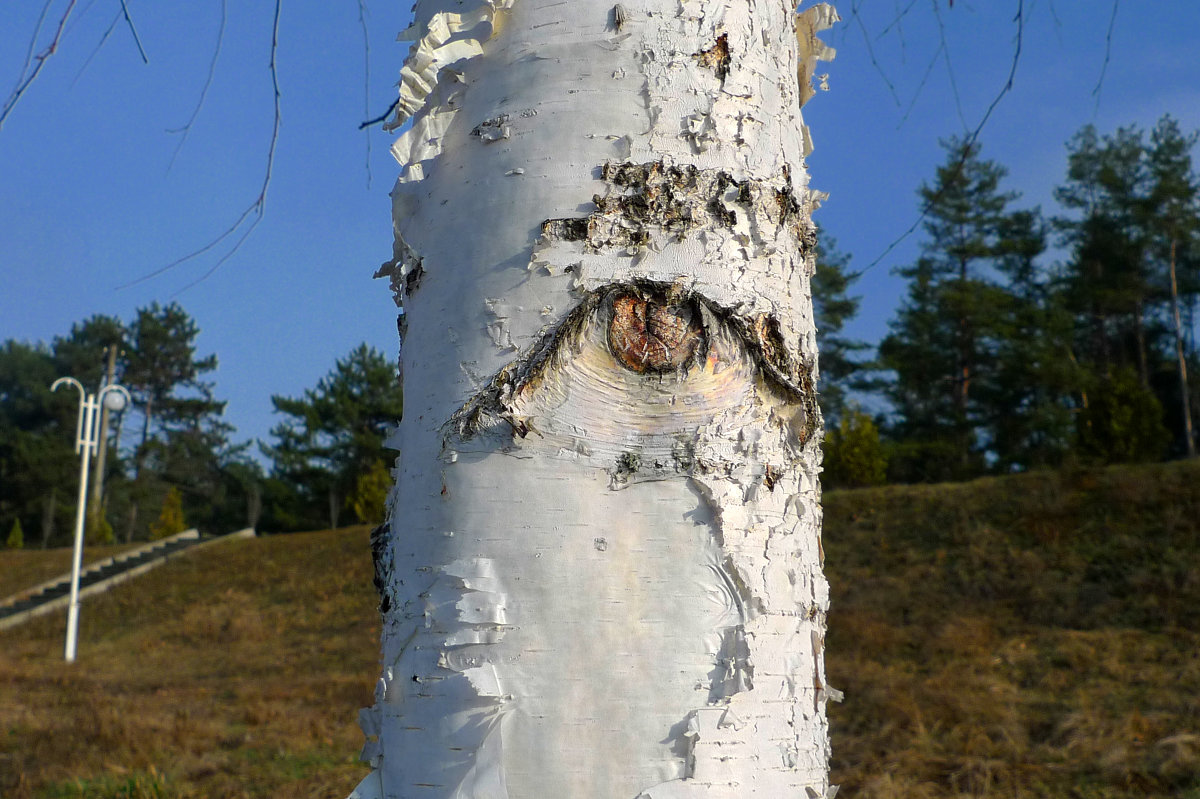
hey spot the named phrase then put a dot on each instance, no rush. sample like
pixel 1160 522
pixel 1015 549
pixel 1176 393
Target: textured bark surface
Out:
pixel 601 578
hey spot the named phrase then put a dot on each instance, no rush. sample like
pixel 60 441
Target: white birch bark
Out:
pixel 601 578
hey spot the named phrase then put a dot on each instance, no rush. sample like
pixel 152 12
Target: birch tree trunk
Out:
pixel 601 577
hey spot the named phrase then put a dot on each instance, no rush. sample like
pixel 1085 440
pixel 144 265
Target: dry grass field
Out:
pixel 235 671
pixel 1028 637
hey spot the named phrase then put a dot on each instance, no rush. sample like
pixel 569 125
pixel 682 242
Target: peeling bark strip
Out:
pixel 601 575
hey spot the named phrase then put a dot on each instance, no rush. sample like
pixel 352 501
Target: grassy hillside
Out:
pixel 1031 636
pixel 235 671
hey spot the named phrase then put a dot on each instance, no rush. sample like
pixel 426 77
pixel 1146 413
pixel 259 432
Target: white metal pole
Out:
pixel 87 416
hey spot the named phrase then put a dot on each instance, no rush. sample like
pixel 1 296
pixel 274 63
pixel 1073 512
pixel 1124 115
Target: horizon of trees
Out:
pixel 1000 358
pixel 171 458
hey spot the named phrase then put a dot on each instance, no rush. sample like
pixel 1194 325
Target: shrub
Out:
pixel 99 531
pixel 16 537
pixel 170 519
pixel 369 499
pixel 854 456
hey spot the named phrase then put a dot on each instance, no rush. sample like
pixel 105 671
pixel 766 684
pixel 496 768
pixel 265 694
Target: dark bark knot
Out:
pixel 716 57
pixel 653 334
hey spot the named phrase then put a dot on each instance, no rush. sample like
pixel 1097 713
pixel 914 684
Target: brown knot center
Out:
pixel 655 334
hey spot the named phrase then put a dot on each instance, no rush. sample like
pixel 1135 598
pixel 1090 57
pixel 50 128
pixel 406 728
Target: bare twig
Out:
pixel 253 212
pixel 78 18
pixel 362 21
pixel 1019 19
pixel 33 37
pixel 136 39
pixel 937 54
pixel 381 117
pixel 1057 22
pixel 871 52
pixel 212 68
pixel 107 32
pixel 1108 37
pixel 895 23
pixel 945 48
pixel 39 61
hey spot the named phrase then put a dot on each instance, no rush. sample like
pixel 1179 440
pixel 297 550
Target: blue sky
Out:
pixel 90 199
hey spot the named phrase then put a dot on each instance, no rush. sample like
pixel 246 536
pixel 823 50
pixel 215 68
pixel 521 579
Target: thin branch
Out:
pixel 39 61
pixel 895 23
pixel 362 21
pixel 212 68
pixel 136 39
pixel 382 117
pixel 78 18
pixel 945 48
pixel 107 32
pixel 871 52
pixel 37 31
pixel 1108 38
pixel 920 86
pixel 1019 19
pixel 195 253
pixel 1057 22
pixel 237 245
pixel 256 210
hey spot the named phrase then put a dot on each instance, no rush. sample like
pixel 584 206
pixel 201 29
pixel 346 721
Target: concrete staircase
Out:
pixel 102 575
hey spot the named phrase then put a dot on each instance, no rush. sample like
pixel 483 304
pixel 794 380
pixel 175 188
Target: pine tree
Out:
pixel 37 428
pixel 1107 283
pixel 943 343
pixel 333 434
pixel 183 439
pixel 1173 218
pixel 1132 233
pixel 833 306
pixel 1028 404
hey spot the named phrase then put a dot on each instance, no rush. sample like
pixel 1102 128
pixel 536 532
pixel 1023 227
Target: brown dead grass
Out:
pixel 1022 638
pixel 235 671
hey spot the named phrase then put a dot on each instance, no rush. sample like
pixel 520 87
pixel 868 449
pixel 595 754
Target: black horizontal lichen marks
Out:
pixel 654 196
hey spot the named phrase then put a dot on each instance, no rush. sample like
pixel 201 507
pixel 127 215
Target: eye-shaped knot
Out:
pixel 654 334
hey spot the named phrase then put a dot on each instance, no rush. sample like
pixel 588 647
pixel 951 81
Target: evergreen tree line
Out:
pixel 1027 340
pixel 170 460
pixel 1024 341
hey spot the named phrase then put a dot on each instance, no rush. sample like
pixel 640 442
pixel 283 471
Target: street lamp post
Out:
pixel 114 398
